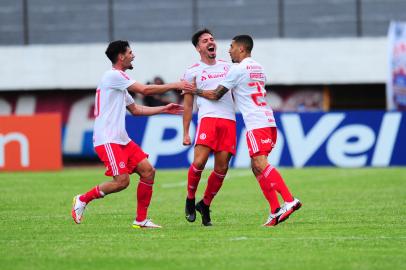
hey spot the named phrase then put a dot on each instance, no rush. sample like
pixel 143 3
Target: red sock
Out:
pixel 193 178
pixel 144 194
pixel 278 183
pixel 269 192
pixel 214 184
pixel 94 193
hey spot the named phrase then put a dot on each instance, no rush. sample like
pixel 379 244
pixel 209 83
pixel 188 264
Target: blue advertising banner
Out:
pixel 342 139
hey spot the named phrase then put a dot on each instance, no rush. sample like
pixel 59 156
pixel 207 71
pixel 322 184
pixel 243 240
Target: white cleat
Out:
pixel 78 207
pixel 147 224
pixel 288 209
pixel 273 219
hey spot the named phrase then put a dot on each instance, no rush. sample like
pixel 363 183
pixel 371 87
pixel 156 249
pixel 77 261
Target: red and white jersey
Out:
pixel 208 77
pixel 247 83
pixel 112 98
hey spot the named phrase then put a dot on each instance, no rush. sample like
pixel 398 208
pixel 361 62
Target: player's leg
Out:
pixel 201 155
pixel 115 161
pixel 263 141
pixel 214 183
pixel 216 178
pixel 258 164
pixel 144 194
pixel 138 163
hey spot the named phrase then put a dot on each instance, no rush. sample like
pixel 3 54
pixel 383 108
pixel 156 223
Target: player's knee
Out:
pixel 122 181
pixel 199 164
pixel 256 167
pixel 149 173
pixel 221 169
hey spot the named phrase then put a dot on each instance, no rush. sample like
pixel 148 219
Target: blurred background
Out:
pixel 328 63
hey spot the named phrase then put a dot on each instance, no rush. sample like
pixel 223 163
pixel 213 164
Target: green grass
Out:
pixel 350 219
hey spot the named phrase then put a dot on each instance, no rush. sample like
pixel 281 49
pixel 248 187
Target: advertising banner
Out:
pixel 30 143
pixel 342 139
pixel 396 83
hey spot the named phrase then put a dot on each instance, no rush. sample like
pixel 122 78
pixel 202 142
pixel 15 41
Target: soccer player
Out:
pixel 216 131
pixel 120 154
pixel 247 81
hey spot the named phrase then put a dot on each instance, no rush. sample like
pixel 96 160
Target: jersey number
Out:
pixel 97 103
pixel 259 95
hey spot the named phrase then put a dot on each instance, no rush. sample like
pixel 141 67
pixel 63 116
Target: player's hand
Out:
pixel 191 88
pixel 186 139
pixel 173 108
pixel 185 86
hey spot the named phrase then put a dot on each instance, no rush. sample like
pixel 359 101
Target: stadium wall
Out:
pixel 343 139
pixel 287 61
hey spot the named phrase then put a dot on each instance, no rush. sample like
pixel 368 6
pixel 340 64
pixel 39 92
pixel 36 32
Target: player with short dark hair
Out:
pixel 247 82
pixel 120 154
pixel 216 131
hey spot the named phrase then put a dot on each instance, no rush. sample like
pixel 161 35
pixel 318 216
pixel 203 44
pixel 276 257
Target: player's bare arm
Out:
pixel 153 89
pixel 187 118
pixel 171 108
pixel 215 94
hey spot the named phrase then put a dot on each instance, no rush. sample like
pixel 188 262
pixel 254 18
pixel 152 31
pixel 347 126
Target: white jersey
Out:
pixel 112 98
pixel 247 83
pixel 208 77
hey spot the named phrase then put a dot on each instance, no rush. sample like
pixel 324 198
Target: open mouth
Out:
pixel 211 48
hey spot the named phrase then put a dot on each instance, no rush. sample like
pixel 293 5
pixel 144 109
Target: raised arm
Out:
pixel 171 108
pixel 215 94
pixel 152 89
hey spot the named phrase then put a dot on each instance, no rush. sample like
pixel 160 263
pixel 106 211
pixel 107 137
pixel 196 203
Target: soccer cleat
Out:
pixel 204 210
pixel 273 218
pixel 145 224
pixel 190 210
pixel 78 207
pixel 288 209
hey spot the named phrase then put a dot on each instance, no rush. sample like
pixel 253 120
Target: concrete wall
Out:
pixel 287 61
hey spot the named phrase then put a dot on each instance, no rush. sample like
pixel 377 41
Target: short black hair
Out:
pixel 115 48
pixel 246 41
pixel 196 36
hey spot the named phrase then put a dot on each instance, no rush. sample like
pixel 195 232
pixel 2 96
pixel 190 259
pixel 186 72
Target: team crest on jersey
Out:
pixel 202 136
pixel 122 165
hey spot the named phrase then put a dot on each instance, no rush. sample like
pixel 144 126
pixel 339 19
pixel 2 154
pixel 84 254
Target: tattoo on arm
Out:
pixel 220 91
pixel 199 92
pixel 212 94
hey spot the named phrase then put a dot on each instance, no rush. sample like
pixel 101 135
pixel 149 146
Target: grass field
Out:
pixel 350 219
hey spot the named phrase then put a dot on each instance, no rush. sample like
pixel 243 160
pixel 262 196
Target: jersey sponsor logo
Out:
pixel 250 67
pixel 204 76
pixel 257 75
pixel 202 136
pixel 214 75
pixel 266 141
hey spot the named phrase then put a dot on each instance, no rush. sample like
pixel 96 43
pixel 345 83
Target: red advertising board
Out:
pixel 30 143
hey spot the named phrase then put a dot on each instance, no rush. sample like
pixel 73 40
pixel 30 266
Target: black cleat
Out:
pixel 190 210
pixel 204 210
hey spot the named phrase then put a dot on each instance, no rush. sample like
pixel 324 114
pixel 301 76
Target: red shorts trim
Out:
pixel 261 141
pixel 217 133
pixel 120 159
